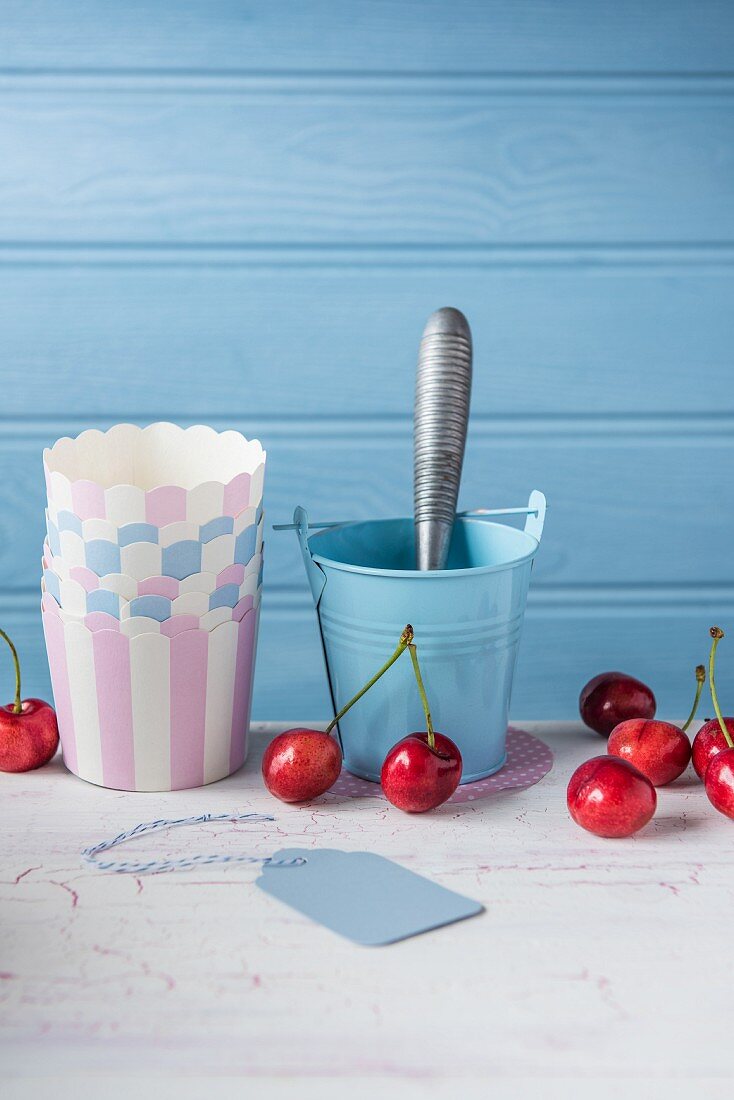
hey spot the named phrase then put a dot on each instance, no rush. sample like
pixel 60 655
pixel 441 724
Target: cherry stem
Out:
pixel 717 634
pixel 700 680
pixel 405 639
pixel 424 699
pixel 17 706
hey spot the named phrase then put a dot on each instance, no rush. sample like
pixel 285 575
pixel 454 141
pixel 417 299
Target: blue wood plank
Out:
pixel 627 499
pixel 624 504
pixel 444 168
pixel 327 336
pixel 378 36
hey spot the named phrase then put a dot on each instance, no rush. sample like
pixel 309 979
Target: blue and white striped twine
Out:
pixel 155 866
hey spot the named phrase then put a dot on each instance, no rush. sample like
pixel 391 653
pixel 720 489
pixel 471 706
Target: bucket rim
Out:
pixel 418 574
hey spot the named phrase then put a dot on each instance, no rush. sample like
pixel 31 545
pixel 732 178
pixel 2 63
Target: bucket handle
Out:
pixel 315 574
pixel 535 511
pixel 534 523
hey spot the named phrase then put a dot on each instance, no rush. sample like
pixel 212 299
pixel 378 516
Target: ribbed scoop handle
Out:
pixel 442 397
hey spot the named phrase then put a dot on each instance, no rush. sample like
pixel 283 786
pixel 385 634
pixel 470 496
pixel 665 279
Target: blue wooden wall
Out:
pixel 242 213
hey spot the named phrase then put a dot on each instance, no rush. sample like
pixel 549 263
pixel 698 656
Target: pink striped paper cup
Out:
pixel 161 474
pixel 152 713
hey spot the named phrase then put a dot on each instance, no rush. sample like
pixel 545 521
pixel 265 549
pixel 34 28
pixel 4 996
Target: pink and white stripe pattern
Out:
pixel 153 713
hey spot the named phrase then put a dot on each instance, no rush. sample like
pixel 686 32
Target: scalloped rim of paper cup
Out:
pixel 74 598
pixel 181 531
pixel 157 455
pixel 140 560
pixel 96 621
pixel 123 504
pixel 159 474
pixel 129 587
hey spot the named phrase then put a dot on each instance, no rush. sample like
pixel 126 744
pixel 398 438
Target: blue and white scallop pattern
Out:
pixel 72 598
pixel 124 535
pixel 138 554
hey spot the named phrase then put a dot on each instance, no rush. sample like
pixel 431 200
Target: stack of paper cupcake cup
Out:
pixel 152 573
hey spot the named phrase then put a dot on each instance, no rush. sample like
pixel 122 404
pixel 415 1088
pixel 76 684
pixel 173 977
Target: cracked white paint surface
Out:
pixel 594 958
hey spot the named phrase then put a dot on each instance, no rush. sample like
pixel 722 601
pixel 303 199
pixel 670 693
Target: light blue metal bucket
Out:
pixel 467 620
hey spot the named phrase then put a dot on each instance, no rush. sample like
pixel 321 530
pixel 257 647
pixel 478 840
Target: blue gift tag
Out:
pixel 363 896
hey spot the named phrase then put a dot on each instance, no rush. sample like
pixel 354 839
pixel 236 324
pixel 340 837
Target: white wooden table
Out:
pixel 595 959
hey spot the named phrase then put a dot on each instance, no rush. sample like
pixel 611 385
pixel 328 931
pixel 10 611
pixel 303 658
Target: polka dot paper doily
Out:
pixel 528 760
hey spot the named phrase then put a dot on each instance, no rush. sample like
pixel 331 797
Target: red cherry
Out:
pixel 708 742
pixel 609 797
pixel 660 750
pixel 613 697
pixel 719 782
pixel 29 733
pixel 27 740
pixel 415 777
pixel 301 764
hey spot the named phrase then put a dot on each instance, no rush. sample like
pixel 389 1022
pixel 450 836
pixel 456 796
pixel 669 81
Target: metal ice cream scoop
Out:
pixel 442 393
